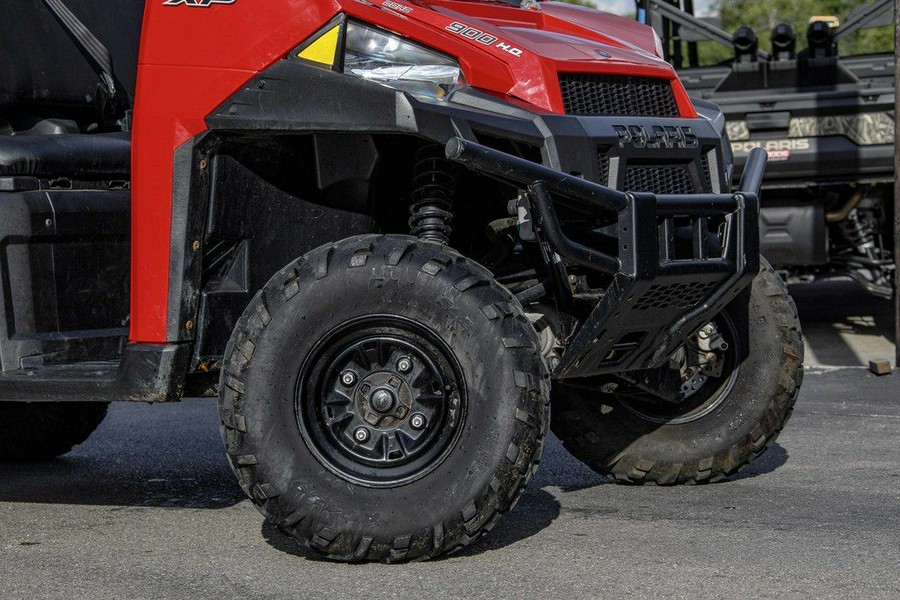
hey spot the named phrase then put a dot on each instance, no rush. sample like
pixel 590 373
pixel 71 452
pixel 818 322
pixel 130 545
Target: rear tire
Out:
pixel 294 396
pixel 610 435
pixel 44 430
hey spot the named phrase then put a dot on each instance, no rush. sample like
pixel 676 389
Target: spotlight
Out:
pixel 746 45
pixel 784 42
pixel 820 38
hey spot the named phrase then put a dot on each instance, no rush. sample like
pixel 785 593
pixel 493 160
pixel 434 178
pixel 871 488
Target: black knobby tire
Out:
pixel 603 432
pixel 44 430
pixel 275 443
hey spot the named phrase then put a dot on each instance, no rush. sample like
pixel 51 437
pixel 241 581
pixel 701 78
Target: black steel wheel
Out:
pixel 384 399
pixel 729 410
pixel 388 401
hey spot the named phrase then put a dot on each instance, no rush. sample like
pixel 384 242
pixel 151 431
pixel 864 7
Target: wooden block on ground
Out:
pixel 880 367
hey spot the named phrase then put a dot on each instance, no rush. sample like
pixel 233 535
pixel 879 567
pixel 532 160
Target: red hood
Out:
pixel 518 52
pixel 556 27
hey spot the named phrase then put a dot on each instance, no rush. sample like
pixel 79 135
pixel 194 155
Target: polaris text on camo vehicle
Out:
pixel 380 232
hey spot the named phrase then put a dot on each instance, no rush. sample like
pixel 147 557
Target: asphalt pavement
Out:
pixel 148 508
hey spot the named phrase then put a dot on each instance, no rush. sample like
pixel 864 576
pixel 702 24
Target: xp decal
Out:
pixel 197 3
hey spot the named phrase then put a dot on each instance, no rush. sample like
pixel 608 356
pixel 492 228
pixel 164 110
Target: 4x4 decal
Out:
pixel 200 3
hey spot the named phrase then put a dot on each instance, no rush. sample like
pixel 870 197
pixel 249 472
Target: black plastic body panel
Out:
pixel 264 213
pixel 824 161
pixel 64 276
pixel 145 373
pixel 794 235
pixel 190 205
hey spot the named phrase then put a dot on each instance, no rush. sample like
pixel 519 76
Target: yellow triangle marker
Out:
pixel 323 50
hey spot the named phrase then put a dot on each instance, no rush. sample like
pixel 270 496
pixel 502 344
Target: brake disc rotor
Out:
pixel 708 370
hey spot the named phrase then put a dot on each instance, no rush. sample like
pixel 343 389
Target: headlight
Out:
pixel 398 63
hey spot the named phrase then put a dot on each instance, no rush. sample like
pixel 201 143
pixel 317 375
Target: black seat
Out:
pixel 72 155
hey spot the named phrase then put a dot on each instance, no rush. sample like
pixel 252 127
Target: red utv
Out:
pixel 381 232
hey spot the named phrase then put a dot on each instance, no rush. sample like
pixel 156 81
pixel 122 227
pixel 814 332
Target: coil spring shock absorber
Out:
pixel 433 185
pixel 859 233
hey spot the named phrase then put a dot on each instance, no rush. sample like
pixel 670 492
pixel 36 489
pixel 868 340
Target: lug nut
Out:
pixel 361 435
pixel 417 421
pixel 404 365
pixel 348 378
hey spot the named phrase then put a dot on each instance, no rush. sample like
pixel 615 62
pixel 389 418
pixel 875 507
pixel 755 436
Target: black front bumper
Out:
pixel 657 298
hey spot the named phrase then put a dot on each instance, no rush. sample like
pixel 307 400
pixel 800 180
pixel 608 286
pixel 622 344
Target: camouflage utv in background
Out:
pixel 827 122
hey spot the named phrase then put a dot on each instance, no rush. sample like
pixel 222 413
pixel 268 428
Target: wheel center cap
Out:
pixel 383 400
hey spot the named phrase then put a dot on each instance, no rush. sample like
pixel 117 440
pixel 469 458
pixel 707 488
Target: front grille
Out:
pixel 659 179
pixel 615 95
pixel 707 173
pixel 603 164
pixel 675 295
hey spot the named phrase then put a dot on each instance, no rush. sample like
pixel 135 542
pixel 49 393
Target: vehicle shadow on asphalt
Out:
pixel 127 466
pixel 161 456
pixel 535 511
pixel 90 481
pixel 835 312
pixel 773 458
pixel 538 507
